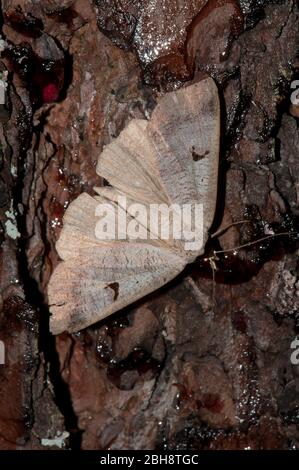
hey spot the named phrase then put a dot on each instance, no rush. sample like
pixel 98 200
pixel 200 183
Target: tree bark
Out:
pixel 204 363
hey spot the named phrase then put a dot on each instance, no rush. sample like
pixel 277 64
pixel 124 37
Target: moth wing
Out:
pixel 79 225
pixel 104 279
pixel 185 131
pixel 173 158
pixel 81 220
pixel 128 163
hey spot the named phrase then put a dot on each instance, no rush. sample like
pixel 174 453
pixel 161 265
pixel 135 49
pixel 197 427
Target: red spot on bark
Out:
pixel 50 93
pixel 212 402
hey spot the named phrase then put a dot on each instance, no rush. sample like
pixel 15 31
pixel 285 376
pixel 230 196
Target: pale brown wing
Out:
pixel 128 163
pixel 80 222
pixel 173 158
pixel 104 279
pixel 185 130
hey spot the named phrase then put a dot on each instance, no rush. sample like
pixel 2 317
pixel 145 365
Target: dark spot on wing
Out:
pixel 115 287
pixel 196 157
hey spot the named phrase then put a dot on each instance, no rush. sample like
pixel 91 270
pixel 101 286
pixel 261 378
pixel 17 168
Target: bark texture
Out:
pixel 199 364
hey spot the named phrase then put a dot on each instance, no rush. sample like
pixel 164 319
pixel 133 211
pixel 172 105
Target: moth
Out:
pixel 171 159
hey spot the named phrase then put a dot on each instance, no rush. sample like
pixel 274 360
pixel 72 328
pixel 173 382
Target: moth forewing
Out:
pixel 105 279
pixel 170 162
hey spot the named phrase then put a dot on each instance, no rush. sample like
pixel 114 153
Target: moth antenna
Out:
pixel 212 259
pixel 214 268
pixel 222 230
pixel 254 242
